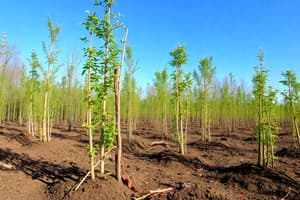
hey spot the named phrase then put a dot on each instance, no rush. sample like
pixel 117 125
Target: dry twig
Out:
pixel 154 192
pixel 6 166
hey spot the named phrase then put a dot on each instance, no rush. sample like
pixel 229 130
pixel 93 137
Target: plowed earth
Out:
pixel 222 169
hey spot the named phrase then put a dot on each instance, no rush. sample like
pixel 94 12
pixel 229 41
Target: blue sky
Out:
pixel 231 31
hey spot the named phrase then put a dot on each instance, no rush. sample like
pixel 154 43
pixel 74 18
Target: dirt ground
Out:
pixel 222 169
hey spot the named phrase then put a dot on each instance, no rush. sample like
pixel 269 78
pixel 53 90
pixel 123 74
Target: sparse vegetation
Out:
pixel 190 133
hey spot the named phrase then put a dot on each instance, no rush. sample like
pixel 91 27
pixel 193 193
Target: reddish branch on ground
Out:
pixel 143 195
pixel 127 181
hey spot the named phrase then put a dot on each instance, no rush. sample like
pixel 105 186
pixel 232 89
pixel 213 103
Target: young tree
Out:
pixel 259 81
pixel 163 97
pixel 130 89
pixel 5 53
pixel 266 128
pixel 204 81
pixel 49 71
pixel 33 85
pixel 187 104
pixel 291 97
pixel 70 77
pixel 272 129
pixel 117 73
pixel 103 76
pixel 5 56
pixel 179 58
pixel 228 103
pixel 89 68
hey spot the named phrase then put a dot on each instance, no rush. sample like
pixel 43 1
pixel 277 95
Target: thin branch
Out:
pixel 6 166
pixel 154 192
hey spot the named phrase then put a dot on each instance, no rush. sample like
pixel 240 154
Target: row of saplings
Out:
pixel 103 73
pixel 103 69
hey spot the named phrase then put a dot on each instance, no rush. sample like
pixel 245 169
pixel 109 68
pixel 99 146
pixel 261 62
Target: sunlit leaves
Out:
pixel 291 97
pixel 179 56
pixel 204 84
pixel 265 101
pixel 101 62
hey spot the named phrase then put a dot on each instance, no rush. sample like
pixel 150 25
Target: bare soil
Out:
pixel 223 169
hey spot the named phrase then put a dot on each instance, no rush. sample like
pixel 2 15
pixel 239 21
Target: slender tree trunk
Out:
pixel 105 71
pixel 297 130
pixel 30 115
pixel 296 127
pixel 89 118
pixel 129 109
pixel 206 136
pixel 69 107
pixel 118 124
pixel 48 119
pixel 118 71
pixel 102 148
pixel 165 118
pixel 181 134
pixel 177 114
pixel 186 123
pixel 44 130
pixel 208 127
pixel 260 133
pixel 272 151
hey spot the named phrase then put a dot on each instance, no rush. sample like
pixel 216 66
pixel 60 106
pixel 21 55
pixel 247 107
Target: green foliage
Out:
pixel 110 132
pixel 129 94
pixel 291 94
pixel 204 82
pixel 35 65
pixel 179 56
pixel 180 85
pixel 51 52
pixel 32 101
pixel 162 98
pixel 100 70
pixel 266 128
pixel 291 97
pixel 207 70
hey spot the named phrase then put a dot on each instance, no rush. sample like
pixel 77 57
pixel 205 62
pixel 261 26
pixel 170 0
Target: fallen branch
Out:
pixel 164 143
pixel 89 172
pixel 154 192
pixel 6 166
pixel 288 193
pixel 87 175
pixel 127 181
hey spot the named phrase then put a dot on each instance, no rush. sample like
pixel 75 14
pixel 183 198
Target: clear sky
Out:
pixel 231 31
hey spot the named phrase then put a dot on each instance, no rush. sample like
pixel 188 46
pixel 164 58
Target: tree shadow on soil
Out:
pixel 13 127
pixel 288 152
pixel 246 175
pixel 216 146
pixel 20 137
pixel 65 136
pixel 41 170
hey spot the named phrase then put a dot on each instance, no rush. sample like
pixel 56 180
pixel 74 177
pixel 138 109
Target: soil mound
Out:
pixel 134 146
pixel 258 180
pixel 97 190
pixel 195 191
pixel 213 146
pixel 288 152
pixel 24 140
